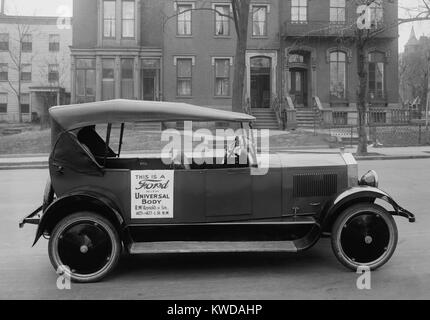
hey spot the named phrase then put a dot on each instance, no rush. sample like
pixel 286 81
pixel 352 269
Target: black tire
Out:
pixel 364 235
pixel 87 244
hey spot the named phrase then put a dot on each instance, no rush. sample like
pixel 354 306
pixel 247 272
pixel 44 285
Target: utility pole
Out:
pixel 2 6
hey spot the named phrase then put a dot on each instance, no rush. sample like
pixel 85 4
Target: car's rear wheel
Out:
pixel 86 246
pixel 364 235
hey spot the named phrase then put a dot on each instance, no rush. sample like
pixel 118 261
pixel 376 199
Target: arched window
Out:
pixel 376 75
pixel 338 74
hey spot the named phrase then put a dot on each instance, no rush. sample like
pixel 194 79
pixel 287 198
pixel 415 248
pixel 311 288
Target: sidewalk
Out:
pixel 40 161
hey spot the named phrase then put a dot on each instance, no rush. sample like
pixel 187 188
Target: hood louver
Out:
pixel 314 185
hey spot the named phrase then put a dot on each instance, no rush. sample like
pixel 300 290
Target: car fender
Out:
pixel 359 195
pixel 76 200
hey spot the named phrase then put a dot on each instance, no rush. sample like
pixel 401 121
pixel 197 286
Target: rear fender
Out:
pixel 361 194
pixel 76 201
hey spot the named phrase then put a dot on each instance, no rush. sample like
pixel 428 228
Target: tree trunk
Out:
pixel 240 59
pixel 361 98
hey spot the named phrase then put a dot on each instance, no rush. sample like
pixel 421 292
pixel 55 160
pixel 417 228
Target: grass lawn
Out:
pixel 38 141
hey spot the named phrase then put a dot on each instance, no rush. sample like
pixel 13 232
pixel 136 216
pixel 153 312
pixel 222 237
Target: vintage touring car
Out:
pixel 99 203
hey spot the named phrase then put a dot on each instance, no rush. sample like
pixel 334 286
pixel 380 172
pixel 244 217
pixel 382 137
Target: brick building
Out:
pixel 299 55
pixel 44 69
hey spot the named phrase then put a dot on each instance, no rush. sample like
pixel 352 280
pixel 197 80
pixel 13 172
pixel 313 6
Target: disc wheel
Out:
pixel 364 235
pixel 86 246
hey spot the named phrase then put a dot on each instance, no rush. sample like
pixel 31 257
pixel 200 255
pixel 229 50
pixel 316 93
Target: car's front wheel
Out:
pixel 86 246
pixel 364 235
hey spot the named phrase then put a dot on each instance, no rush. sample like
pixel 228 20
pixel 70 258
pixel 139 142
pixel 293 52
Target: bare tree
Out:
pixel 361 35
pixel 19 57
pixel 239 16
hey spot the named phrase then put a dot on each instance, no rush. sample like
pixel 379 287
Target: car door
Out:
pixel 228 194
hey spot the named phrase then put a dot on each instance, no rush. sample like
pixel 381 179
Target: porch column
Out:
pixel 314 90
pixel 136 76
pixel 98 78
pixel 117 77
pixel 73 79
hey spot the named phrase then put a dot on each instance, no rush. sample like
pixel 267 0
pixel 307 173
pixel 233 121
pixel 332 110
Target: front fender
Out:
pixel 362 194
pixel 77 200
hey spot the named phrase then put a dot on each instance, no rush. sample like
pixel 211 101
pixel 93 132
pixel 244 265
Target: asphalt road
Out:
pixel 26 273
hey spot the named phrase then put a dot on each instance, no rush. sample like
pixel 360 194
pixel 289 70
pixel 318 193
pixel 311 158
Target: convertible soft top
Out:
pixel 117 111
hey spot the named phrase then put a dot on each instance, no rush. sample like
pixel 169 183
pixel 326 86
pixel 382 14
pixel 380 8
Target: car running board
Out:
pixel 211 247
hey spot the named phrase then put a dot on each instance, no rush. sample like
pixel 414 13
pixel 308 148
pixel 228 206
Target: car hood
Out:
pixel 306 160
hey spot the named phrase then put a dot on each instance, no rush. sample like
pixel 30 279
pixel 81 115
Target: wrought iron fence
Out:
pixel 387 135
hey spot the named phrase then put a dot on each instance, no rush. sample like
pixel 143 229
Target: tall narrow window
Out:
pixel 54 42
pixel 109 18
pixel 128 18
pixel 222 77
pixel 127 83
pixel 4 72
pixel 27 43
pixel 222 21
pixel 108 79
pixel 85 80
pixel 184 76
pixel 337 11
pixel 4 42
pixel 53 74
pixel 377 13
pixel 184 19
pixel 3 102
pixel 338 74
pixel 26 72
pixel 376 75
pixel 259 21
pixel 25 103
pixel 299 11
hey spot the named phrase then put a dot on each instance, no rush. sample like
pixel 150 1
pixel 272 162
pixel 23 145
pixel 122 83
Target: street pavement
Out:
pixel 26 273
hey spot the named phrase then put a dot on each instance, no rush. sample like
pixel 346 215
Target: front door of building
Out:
pixel 150 79
pixel 298 87
pixel 260 82
pixel 149 85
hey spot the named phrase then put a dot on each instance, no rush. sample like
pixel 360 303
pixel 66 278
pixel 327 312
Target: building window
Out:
pixel 54 42
pixel 4 72
pixel 127 83
pixel 3 102
pixel 338 74
pixel 184 19
pixel 85 80
pixel 222 21
pixel 53 74
pixel 109 19
pixel 259 21
pixel 299 11
pixel 26 72
pixel 222 77
pixel 27 43
pixel 376 13
pixel 376 75
pixel 184 76
pixel 296 58
pixel 4 42
pixel 128 18
pixel 25 103
pixel 108 79
pixel 337 11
